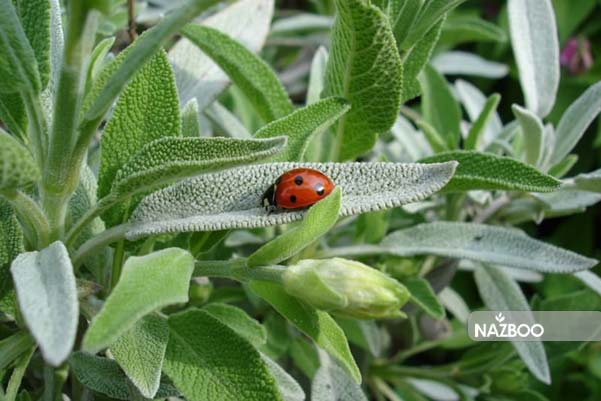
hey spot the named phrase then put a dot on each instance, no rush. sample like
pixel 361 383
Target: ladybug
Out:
pixel 296 189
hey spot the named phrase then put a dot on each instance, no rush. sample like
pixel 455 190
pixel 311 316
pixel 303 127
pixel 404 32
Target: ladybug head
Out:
pixel 268 199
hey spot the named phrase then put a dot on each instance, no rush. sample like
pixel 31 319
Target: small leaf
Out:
pixel 316 324
pixel 190 121
pixel 208 361
pixel 319 220
pixel 463 63
pixel 19 68
pixel 483 243
pixel 563 167
pixel 17 167
pixel 11 244
pixel 239 321
pixel 251 74
pixel 500 293
pixel 589 181
pixel 288 387
pixel 474 136
pixel 331 383
pixel 575 121
pixel 532 131
pixel 536 50
pixel 471 28
pixel 226 121
pixel 47 297
pixel 474 101
pixel 488 171
pixel 317 75
pixel 302 125
pixel 590 279
pixel 147 283
pixel 430 14
pixel 219 201
pixel 424 296
pixel 140 353
pixel 370 80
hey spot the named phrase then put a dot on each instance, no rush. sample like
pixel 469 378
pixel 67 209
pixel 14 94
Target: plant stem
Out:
pixel 99 241
pixel 86 219
pixel 358 250
pixel 37 227
pixel 236 269
pixel 132 20
pixel 386 390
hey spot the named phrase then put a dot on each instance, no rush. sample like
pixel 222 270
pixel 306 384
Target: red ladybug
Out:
pixel 296 189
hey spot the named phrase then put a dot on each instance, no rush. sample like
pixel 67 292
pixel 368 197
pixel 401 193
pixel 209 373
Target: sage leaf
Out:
pixel 331 383
pixel 104 376
pixel 147 110
pixel 500 293
pixel 288 387
pixel 302 125
pixel 140 353
pixel 575 121
pixel 463 63
pixel 483 243
pixel 251 74
pixel 47 296
pixel 488 171
pixel 371 81
pixel 147 283
pixel 197 76
pixel 567 201
pixel 424 297
pixel 218 201
pixel 317 75
pixel 239 321
pixel 474 136
pixel 14 346
pixel 318 221
pixel 589 181
pixel 314 323
pixel 590 279
pixel 13 114
pixel 17 167
pixel 474 103
pixel 226 121
pixel 536 49
pixel 19 68
pixel 11 244
pixel 429 14
pixel 402 16
pixel 208 361
pixel 437 96
pixel 467 28
pixel 532 132
pixel 190 119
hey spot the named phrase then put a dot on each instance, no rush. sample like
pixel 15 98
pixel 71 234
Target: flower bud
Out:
pixel 346 287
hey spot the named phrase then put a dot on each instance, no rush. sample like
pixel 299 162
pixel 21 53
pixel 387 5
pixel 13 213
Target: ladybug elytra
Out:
pixel 296 189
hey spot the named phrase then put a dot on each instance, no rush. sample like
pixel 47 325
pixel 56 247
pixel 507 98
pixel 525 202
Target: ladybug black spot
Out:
pixel 298 180
pixel 319 189
pixel 293 198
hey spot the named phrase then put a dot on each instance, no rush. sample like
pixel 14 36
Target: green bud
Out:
pixel 346 287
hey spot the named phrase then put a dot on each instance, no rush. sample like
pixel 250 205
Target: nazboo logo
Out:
pixel 502 329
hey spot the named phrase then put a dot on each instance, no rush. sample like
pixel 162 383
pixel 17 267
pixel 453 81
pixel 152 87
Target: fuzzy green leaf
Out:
pixel 197 76
pixel 474 102
pixel 47 296
pixel 424 296
pixel 13 114
pixel 208 361
pixel 190 119
pixel 464 63
pixel 316 324
pixel 251 74
pixel 439 106
pixel 17 167
pixel 288 387
pixel 487 244
pixel 532 132
pixel 147 110
pixel 331 383
pixel 226 121
pixel 11 244
pixel 318 221
pixel 18 68
pixel 589 181
pixel 475 134
pixel 536 50
pixel 501 293
pixel 140 353
pixel 147 283
pixel 302 125
pixel 239 321
pixel 468 28
pixel 364 67
pixel 402 14
pixel 429 15
pixel 219 201
pixel 488 171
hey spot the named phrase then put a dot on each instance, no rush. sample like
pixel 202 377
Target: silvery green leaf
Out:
pixel 11 244
pixel 190 119
pixel 301 22
pixel 17 167
pixel 501 293
pixel 196 75
pixel 317 75
pixel 461 28
pixel 474 135
pixel 590 279
pixel 567 201
pixel 226 121
pixel 412 141
pixel 430 13
pixel 288 387
pixel 453 302
pixel 47 296
pixel 520 275
pixel 483 243
pixel 424 297
pixel 218 201
pixel 532 132
pixel 331 383
pixel 589 181
pixel 239 321
pixel 434 390
pixel 575 121
pixel 463 63
pixel 473 101
pixel 536 49
pixel 98 58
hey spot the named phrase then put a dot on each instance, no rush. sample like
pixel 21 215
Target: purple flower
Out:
pixel 576 55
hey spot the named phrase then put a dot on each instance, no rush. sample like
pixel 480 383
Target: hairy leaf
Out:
pixel 17 167
pixel 226 121
pixel 251 74
pixel 474 136
pixel 239 321
pixel 483 243
pixel 590 279
pixel 314 323
pixel 501 293
pixel 47 296
pixel 18 68
pixel 464 63
pixel 14 346
pixel 219 201
pixel 430 14
pixel 536 50
pixel 288 387
pixel 471 28
pixel 589 181
pixel 488 171
pixel 190 119
pixel 302 125
pixel 532 131
pixel 474 103
pixel 208 361
pixel 402 15
pixel 364 67
pixel 140 353
pixel 147 283
pixel 197 76
pixel 13 114
pixel 424 296
pixel 318 221
pixel 331 383
pixel 11 244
